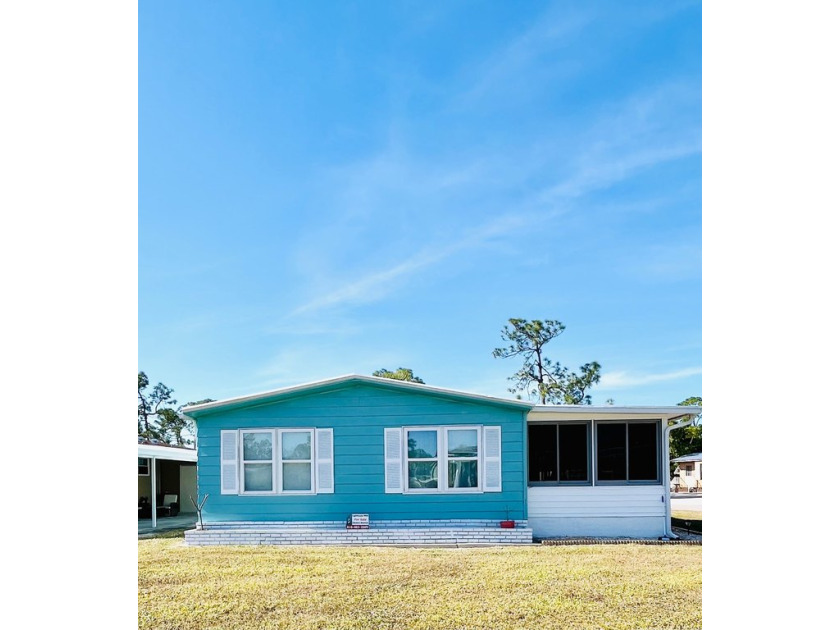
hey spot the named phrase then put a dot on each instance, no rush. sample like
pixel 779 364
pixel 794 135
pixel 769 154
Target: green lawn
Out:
pixel 591 586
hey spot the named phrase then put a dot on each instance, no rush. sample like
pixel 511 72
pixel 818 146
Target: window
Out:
pixel 276 461
pixel 431 450
pixel 558 453
pixel 627 452
pixel 296 461
pixel 143 466
pixel 689 469
pixel 542 453
pixel 422 449
pixel 258 461
pixel 462 458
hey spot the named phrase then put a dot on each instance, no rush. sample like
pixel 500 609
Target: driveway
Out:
pixel 687 502
pixel 166 524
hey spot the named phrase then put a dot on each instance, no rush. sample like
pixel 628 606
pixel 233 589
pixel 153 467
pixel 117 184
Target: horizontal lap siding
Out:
pixel 595 501
pixel 358 416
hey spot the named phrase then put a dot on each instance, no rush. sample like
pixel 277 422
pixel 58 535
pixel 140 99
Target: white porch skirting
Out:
pixel 412 533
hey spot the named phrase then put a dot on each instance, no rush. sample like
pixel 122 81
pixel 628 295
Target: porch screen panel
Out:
pixel 612 452
pixel 642 452
pixel 573 450
pixel 542 452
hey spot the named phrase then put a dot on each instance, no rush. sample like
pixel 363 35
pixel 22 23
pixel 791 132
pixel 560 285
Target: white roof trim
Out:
pixel 671 411
pixel 159 451
pixel 356 377
pixel 691 457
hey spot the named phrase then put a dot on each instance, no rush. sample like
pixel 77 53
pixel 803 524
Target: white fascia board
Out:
pixel 693 457
pixel 375 380
pixel 608 412
pixel 159 451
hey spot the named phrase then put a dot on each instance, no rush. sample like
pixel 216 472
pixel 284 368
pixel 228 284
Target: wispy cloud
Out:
pixel 536 208
pixel 332 326
pixel 505 66
pixel 376 285
pixel 624 379
pixel 605 174
pixel 311 362
pixel 664 262
pixel 535 179
pixel 539 56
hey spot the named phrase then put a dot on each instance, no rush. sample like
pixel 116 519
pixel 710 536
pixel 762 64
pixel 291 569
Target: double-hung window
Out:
pixel 627 452
pixel 276 461
pixel 143 466
pixel 461 458
pixel 423 460
pixel 296 470
pixel 258 461
pixel 443 459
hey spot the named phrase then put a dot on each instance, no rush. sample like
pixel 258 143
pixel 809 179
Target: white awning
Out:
pixel 175 453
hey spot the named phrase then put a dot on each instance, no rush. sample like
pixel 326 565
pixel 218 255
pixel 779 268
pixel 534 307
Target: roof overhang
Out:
pixel 542 413
pixel 174 453
pixel 196 411
pixel 691 457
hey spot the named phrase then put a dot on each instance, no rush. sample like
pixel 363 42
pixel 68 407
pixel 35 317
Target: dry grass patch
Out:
pixel 625 586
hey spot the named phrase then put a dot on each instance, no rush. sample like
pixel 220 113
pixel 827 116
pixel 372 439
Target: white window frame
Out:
pixel 443 459
pixel 477 458
pixel 281 461
pixel 277 461
pixel 148 467
pixel 420 459
pixel 272 462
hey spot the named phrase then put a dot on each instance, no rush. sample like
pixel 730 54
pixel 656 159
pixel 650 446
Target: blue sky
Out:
pixel 333 188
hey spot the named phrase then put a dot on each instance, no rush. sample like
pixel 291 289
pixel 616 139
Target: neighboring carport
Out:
pixel 165 469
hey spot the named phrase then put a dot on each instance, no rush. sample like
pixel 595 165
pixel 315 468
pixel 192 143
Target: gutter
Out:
pixel 669 533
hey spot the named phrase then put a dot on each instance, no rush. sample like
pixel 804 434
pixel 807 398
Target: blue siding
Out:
pixel 358 415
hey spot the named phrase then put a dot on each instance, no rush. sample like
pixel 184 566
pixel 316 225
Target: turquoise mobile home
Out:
pixel 422 464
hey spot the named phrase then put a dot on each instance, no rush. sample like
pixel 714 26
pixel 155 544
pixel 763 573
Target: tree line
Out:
pixel 159 415
pixel 539 377
pixel 552 383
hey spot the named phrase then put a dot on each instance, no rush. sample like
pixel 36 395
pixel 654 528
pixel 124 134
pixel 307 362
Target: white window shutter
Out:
pixel 228 456
pixel 492 459
pixel 324 477
pixel 393 460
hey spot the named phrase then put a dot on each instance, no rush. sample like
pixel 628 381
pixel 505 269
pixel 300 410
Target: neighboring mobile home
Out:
pixel 171 471
pixel 426 464
pixel 688 475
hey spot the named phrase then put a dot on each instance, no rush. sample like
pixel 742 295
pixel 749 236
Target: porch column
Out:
pixel 153 466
